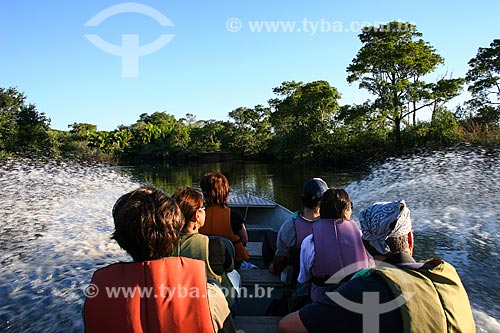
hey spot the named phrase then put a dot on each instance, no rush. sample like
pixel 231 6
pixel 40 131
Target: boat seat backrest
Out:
pixel 228 243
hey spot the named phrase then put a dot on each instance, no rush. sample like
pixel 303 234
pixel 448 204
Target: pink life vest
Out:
pixel 303 228
pixel 337 244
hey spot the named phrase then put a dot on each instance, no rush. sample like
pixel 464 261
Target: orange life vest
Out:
pixel 174 298
pixel 218 223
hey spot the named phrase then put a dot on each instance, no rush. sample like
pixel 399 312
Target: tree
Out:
pixel 82 128
pixel 190 120
pixel 302 118
pixel 83 131
pixel 444 127
pixel 252 129
pixel 208 137
pixel 100 139
pixel 11 101
pixel 159 134
pixel 121 139
pixel 32 133
pixel 22 128
pixel 391 65
pixel 484 80
pixel 442 91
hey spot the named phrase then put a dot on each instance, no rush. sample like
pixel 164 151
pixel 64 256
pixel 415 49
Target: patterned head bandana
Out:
pixel 377 223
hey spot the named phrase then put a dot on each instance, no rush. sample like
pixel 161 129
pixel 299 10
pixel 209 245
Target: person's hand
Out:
pixel 271 268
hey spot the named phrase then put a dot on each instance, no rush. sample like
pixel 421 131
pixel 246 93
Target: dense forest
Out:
pixel 304 123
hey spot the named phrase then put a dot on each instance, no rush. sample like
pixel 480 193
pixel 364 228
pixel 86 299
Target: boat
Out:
pixel 259 286
pixel 260 214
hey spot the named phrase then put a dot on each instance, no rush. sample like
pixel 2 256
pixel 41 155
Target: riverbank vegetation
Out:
pixel 305 122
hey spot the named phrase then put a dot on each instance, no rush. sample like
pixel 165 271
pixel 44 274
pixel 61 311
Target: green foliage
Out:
pixel 484 80
pixel 83 129
pixel 391 64
pixel 121 140
pixel 179 137
pixel 444 90
pixel 158 135
pixel 23 130
pixel 444 127
pixel 479 133
pixel 443 130
pixel 4 155
pixel 302 118
pixel 357 135
pixel 303 123
pixel 71 146
pixel 32 133
pixel 11 101
pixel 417 135
pixel 251 131
pixel 208 137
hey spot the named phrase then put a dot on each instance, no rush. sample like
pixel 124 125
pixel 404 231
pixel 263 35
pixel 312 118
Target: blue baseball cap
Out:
pixel 315 187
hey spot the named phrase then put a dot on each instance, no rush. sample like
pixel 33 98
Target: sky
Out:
pixel 106 62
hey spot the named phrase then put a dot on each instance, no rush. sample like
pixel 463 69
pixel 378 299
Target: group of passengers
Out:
pixel 319 242
pixel 185 248
pixel 363 280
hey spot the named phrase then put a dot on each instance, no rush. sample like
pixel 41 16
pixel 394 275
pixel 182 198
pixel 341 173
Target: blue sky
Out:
pixel 215 62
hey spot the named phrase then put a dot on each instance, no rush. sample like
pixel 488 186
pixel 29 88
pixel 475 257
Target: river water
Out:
pixel 55 222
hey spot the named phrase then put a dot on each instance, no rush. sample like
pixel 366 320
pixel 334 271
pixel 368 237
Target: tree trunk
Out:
pixel 414 113
pixel 397 130
pixel 433 115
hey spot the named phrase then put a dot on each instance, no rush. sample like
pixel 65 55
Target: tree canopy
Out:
pixel 484 80
pixel 252 132
pixel 304 122
pixel 391 65
pixel 302 117
pixel 22 128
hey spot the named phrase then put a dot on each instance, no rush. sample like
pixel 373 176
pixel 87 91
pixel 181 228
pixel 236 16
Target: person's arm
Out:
pixel 221 315
pixel 278 264
pixel 238 226
pixel 228 260
pixel 291 324
pixel 284 242
pixel 306 259
pixel 243 234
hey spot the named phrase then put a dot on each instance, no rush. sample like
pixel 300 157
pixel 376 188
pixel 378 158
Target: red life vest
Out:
pixel 174 298
pixel 218 223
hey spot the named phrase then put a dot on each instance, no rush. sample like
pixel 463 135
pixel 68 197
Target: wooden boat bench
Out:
pixel 262 277
pixel 256 231
pixel 257 324
pixel 254 249
pixel 259 288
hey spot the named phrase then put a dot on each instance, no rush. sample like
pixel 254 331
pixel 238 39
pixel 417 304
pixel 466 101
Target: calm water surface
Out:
pixel 55 222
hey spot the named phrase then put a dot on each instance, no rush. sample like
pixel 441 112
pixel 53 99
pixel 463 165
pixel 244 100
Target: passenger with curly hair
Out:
pixel 156 290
